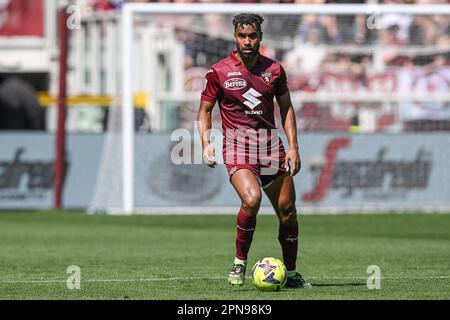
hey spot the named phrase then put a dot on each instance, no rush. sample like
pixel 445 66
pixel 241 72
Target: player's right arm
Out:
pixel 204 126
pixel 210 94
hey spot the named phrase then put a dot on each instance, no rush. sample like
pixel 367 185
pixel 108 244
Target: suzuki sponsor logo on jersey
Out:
pixel 252 101
pixel 258 112
pixel 234 73
pixel 235 84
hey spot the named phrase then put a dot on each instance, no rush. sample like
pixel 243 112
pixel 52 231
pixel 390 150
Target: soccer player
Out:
pixel 244 84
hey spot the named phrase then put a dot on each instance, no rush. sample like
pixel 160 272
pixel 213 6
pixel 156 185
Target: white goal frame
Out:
pixel 130 9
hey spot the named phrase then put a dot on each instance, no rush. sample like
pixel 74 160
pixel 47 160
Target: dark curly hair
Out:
pixel 248 18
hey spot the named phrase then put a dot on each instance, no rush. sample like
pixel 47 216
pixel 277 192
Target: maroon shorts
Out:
pixel 266 172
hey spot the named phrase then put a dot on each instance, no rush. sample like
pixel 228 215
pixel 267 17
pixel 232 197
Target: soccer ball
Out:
pixel 269 274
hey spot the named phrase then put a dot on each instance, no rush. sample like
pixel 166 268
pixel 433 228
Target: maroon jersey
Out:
pixel 245 96
pixel 246 102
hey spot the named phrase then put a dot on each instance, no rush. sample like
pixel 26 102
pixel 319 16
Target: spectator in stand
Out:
pixel 343 63
pixel 426 30
pixel 203 45
pixel 306 57
pixel 432 78
pixel 327 24
pixel 444 43
pixel 88 6
pixel 99 5
pixel 352 29
pixel 391 44
pixel 402 23
pixel 102 5
pixel 215 23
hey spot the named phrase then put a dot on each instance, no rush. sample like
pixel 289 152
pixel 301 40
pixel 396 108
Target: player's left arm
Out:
pixel 290 128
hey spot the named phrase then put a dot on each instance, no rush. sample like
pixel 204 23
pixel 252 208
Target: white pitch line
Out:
pixel 112 280
pixel 200 278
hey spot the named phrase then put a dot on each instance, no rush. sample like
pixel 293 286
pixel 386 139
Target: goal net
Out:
pixel 369 85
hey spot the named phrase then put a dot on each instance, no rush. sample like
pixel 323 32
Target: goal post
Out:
pixel 128 28
pixel 128 110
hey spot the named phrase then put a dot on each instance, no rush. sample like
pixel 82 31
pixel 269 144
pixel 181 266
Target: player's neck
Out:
pixel 248 63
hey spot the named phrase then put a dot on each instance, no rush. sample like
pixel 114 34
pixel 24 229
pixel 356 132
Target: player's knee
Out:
pixel 251 203
pixel 288 214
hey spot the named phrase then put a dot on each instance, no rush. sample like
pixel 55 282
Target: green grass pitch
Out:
pixel 189 257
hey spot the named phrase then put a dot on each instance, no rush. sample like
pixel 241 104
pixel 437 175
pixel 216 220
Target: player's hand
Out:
pixel 293 160
pixel 209 156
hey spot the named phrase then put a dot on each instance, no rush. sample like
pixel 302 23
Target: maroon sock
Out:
pixel 244 233
pixel 288 237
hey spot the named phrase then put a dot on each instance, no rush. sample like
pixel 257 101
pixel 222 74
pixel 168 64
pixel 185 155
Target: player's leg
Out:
pixel 281 193
pixel 248 188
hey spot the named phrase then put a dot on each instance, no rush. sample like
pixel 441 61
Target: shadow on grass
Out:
pixel 338 284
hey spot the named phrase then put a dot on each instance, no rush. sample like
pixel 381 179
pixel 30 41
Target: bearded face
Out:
pixel 247 39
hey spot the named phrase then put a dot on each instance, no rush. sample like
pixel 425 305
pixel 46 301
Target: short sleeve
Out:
pixel 211 87
pixel 281 85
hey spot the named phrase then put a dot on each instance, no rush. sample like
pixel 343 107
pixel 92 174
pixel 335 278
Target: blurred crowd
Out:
pixel 391 32
pixel 388 53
